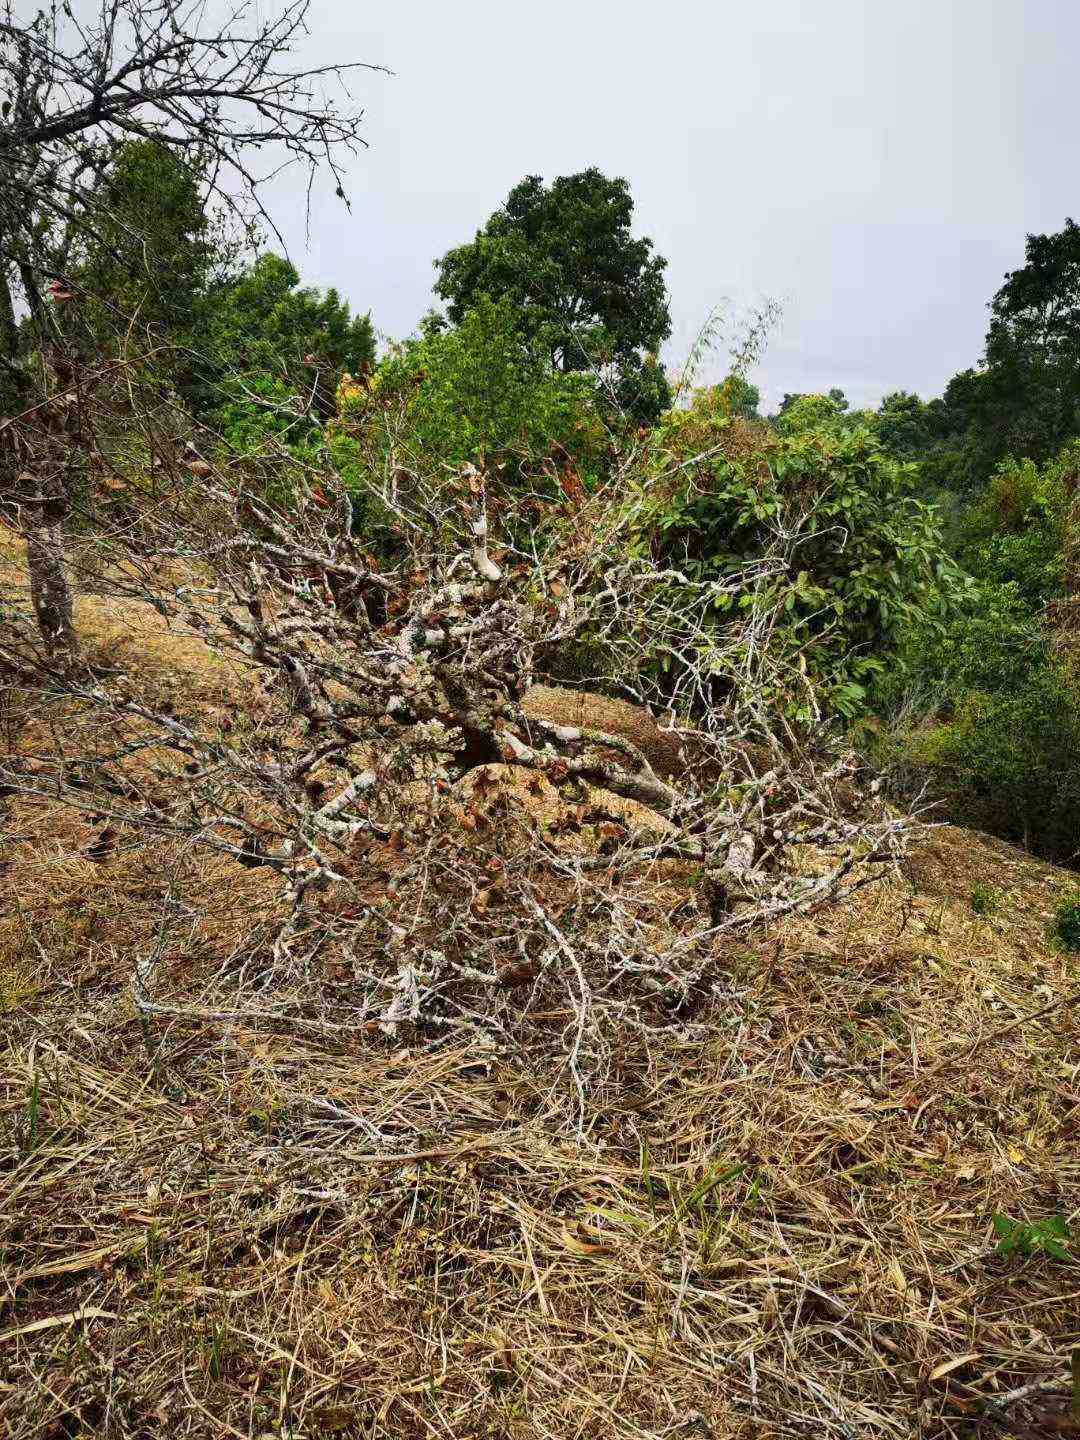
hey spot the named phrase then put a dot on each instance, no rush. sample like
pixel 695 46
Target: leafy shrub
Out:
pixel 1041 1237
pixel 263 329
pixel 262 415
pixel 471 394
pixel 1064 929
pixel 984 898
pixel 1001 745
pixel 811 412
pixel 1016 532
pixel 996 726
pixel 867 563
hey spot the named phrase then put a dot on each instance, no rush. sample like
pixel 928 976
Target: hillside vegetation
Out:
pixel 249 1207
pixel 536 899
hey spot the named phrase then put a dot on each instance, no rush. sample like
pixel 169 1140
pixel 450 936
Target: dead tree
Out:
pixel 219 93
pixel 385 772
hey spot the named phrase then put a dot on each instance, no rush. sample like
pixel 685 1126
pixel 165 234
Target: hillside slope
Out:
pixel 770 1217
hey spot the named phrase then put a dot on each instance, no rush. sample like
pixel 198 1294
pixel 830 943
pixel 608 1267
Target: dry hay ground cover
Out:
pixel 776 1221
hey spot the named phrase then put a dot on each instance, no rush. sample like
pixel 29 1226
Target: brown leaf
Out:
pixel 101 844
pixel 948 1366
pixel 581 1241
pixel 522 973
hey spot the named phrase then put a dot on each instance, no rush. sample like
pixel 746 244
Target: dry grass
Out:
pixel 245 1219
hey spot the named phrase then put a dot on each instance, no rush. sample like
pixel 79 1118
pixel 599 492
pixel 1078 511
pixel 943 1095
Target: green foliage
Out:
pixel 736 397
pixel 586 294
pixel 264 414
pixel 275 352
pixel 145 259
pixel 999 733
pixel 1064 929
pixel 868 564
pixel 800 413
pixel 1041 1237
pixel 907 426
pixel 1002 744
pixel 1024 398
pixel 985 900
pixel 1016 532
pixel 476 393
pixel 1033 349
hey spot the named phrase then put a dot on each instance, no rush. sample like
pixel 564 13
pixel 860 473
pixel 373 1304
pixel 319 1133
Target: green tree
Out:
pixel 474 393
pixel 588 294
pixel 907 426
pixel 1033 345
pixel 869 562
pixel 144 258
pixel 987 710
pixel 998 738
pixel 737 397
pixel 1024 397
pixel 277 351
pixel 799 413
pixel 1017 532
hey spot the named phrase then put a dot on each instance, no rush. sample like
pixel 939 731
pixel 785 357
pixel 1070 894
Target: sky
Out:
pixel 873 168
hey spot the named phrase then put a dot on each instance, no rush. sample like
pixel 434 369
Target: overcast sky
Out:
pixel 875 167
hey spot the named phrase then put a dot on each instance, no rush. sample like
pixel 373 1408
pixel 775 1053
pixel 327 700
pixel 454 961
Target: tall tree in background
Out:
pixel 149 257
pixel 1024 399
pixel 265 335
pixel 75 89
pixel 591 296
pixel 907 426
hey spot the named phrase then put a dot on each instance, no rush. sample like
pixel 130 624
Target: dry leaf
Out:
pixel 948 1366
pixel 572 1238
pixel 896 1276
pixel 91 1312
pixel 100 846
pixel 520 974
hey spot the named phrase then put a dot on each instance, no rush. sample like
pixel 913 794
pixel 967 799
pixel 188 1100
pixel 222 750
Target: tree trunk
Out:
pixel 42 501
pixel 50 584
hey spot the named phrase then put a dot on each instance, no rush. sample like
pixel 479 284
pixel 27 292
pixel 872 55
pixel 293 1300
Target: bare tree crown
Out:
pixel 75 88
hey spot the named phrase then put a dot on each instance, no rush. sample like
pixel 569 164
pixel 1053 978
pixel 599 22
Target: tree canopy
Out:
pixel 588 293
pixel 1024 397
pixel 146 261
pixel 264 329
